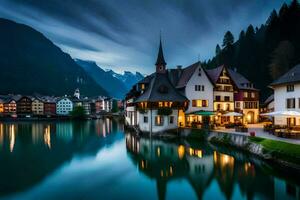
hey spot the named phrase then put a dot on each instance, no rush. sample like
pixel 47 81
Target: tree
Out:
pixel 78 113
pixel 273 18
pixel 282 58
pixel 218 49
pixel 228 40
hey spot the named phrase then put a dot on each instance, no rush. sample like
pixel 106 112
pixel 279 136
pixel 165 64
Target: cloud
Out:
pixel 123 35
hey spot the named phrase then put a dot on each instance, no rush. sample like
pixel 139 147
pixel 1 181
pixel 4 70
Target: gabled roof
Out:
pixel 241 82
pixel 214 74
pixel 292 76
pixel 188 73
pixel 161 89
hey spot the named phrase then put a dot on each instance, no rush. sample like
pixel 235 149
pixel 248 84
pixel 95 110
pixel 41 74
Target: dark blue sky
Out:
pixel 123 35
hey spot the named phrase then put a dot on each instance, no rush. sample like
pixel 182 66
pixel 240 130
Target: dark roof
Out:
pixel 269 99
pixel 214 74
pixel 160 57
pixel 292 76
pixel 241 82
pixel 187 74
pixel 161 89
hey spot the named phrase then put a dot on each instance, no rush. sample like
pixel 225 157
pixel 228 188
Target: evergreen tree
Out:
pixel 282 58
pixel 228 40
pixel 218 50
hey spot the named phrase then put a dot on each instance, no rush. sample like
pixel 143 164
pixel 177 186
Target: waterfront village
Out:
pixel 195 97
pixel 50 107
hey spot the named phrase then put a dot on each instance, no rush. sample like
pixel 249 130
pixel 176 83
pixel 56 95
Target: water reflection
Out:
pixel 31 151
pixel 236 176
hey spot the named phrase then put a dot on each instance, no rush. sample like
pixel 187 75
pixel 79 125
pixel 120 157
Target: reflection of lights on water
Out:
pixel 199 153
pixel 171 170
pixel 143 164
pixel 12 137
pixel 181 151
pixel 47 137
pixel 158 151
pixel 161 173
pixel 1 134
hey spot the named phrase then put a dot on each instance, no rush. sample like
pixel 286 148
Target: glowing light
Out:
pixel 191 151
pixel 171 170
pixel 181 151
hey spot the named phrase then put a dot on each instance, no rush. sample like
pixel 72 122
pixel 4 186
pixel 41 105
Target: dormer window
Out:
pixel 290 88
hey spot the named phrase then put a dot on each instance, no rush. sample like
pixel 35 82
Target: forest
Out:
pixel 262 54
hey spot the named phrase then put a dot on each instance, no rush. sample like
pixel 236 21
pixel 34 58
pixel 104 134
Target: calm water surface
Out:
pixel 97 160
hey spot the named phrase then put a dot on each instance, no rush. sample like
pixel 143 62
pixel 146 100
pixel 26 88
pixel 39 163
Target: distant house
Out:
pixel 64 106
pixel 49 106
pixel 287 96
pixel 24 105
pixel 1 106
pixel 37 106
pixel 10 106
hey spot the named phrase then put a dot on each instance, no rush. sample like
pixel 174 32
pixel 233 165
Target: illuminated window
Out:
pixel 252 95
pixel 160 104
pixel 245 94
pixel 143 86
pixel 159 120
pixel 166 104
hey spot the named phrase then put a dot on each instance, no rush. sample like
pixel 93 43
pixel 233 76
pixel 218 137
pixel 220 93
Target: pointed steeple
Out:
pixel 160 62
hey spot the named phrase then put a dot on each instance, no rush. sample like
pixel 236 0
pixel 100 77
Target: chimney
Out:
pixel 179 66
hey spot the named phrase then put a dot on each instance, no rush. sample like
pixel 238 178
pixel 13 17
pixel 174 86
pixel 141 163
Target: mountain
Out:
pixel 31 63
pixel 113 85
pixel 263 53
pixel 128 78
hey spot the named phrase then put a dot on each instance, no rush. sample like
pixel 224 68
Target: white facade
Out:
pixel 157 123
pixel 281 96
pixel 130 113
pixel 199 88
pixel 64 106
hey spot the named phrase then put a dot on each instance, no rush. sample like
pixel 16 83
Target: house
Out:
pixel 64 106
pixel 49 106
pixel 268 105
pixel 86 105
pixel 287 96
pixel 1 106
pixel 198 88
pixel 24 105
pixel 154 104
pixel 246 98
pixel 37 106
pixel 10 107
pixel 223 93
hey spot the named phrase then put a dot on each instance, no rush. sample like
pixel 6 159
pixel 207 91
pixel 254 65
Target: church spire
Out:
pixel 160 62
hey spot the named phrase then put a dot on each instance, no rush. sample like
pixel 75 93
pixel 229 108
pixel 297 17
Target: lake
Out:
pixel 96 159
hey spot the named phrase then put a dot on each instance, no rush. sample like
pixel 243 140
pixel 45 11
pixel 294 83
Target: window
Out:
pixel 204 103
pixel 159 120
pixel 290 103
pixel 199 87
pixel 199 73
pixel 290 88
pixel 145 119
pixel 252 95
pixel 218 98
pixel 238 104
pixel 226 98
pixel 246 94
pixel 160 104
pixel 171 120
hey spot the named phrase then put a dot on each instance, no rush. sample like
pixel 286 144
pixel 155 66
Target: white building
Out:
pixel 287 96
pixel 64 106
pixel 197 87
